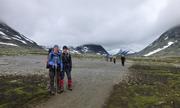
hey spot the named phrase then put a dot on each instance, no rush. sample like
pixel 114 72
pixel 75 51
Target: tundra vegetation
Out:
pixel 151 83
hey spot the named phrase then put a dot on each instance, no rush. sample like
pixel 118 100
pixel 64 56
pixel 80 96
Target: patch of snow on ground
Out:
pixel 159 49
pixel 11 44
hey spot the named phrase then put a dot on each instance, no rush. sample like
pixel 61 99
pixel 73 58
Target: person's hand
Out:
pixel 55 65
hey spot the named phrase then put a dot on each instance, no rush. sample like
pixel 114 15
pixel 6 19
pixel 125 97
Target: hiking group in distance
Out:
pixel 111 58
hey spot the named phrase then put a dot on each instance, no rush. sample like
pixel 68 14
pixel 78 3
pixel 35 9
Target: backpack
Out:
pixel 49 51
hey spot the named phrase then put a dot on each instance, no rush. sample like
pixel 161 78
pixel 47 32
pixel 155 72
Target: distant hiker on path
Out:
pixel 67 67
pixel 114 59
pixel 55 65
pixel 123 59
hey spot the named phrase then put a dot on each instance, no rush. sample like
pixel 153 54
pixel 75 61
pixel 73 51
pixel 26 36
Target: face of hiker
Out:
pixel 56 49
pixel 65 50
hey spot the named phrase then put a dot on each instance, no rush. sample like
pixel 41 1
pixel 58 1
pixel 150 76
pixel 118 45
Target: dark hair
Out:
pixel 65 47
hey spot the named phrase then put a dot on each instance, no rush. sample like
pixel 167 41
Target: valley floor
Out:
pixel 151 83
pixel 93 80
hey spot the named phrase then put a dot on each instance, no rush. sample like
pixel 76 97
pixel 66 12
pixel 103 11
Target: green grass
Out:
pixel 21 51
pixel 150 84
pixel 21 91
pixel 156 59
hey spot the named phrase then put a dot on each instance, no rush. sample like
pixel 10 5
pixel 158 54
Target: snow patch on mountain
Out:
pixel 85 49
pixel 114 51
pixel 159 49
pixel 11 44
pixel 17 36
pixel 5 37
pixel 11 37
pixel 2 33
pixel 166 38
pixel 19 40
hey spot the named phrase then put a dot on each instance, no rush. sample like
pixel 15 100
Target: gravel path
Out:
pixel 93 80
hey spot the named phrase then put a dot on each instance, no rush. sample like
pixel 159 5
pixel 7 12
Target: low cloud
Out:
pixel 114 24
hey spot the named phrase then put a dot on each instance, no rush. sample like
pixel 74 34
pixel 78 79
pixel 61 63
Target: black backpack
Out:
pixel 49 51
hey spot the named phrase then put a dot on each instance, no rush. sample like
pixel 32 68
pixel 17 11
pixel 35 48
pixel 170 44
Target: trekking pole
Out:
pixel 55 79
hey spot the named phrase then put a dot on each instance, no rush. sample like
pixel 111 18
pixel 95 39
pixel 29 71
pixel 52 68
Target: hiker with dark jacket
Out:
pixel 123 59
pixel 114 59
pixel 67 67
pixel 54 62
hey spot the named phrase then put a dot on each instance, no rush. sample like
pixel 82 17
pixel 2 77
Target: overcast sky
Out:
pixel 130 24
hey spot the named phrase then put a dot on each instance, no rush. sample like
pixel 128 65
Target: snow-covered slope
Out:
pixel 120 52
pixel 114 51
pixel 11 38
pixel 159 49
pixel 168 44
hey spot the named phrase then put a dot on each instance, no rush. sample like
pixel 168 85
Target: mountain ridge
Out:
pixel 168 44
pixel 12 38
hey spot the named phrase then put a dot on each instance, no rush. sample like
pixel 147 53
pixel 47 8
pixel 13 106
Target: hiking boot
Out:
pixel 70 88
pixel 59 91
pixel 61 86
pixel 70 85
pixel 52 92
pixel 62 89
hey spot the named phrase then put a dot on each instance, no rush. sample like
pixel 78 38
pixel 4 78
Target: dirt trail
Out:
pixel 93 80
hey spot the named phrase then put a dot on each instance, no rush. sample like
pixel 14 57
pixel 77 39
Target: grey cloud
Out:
pixel 131 24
